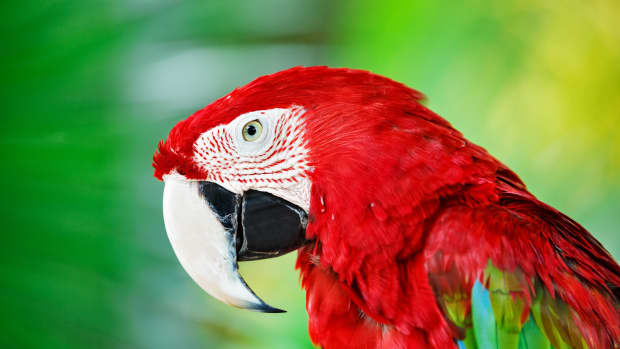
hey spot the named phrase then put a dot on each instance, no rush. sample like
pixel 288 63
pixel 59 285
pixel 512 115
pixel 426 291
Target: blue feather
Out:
pixel 483 318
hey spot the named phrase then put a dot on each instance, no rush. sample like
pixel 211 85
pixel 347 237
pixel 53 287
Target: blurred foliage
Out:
pixel 89 88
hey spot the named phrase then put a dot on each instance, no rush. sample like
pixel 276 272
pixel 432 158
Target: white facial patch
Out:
pixel 275 161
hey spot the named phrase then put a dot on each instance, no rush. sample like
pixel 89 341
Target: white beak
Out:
pixel 205 248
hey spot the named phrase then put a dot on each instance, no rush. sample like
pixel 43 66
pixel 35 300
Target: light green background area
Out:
pixel 89 88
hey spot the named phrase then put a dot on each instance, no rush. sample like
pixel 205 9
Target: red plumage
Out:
pixel 398 195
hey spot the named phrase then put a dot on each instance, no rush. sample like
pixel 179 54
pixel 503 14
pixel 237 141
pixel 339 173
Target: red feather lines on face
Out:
pixel 217 151
pixel 282 163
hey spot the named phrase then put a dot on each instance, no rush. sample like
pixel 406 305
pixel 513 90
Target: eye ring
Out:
pixel 252 131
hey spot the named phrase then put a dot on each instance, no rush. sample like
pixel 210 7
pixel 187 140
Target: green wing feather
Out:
pixel 496 315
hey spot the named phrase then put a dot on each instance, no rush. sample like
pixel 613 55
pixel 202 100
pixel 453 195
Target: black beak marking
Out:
pixel 263 224
pixel 270 225
pixel 222 202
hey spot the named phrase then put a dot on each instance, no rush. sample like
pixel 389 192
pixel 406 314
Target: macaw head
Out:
pixel 297 157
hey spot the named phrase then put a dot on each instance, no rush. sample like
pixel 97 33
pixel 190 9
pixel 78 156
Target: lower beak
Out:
pixel 211 228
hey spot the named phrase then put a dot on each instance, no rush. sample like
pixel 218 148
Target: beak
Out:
pixel 211 229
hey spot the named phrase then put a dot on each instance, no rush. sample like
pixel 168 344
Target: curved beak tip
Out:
pixel 264 308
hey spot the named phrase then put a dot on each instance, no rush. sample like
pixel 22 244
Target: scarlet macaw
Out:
pixel 408 235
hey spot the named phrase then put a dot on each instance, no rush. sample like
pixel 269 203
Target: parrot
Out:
pixel 408 235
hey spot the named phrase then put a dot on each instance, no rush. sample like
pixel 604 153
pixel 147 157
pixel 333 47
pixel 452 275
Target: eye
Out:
pixel 252 130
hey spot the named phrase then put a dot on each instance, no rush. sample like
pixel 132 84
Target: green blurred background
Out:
pixel 89 87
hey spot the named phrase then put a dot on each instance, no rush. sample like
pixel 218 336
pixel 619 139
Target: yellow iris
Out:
pixel 252 130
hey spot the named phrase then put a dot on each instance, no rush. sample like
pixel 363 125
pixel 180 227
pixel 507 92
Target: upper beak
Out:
pixel 211 228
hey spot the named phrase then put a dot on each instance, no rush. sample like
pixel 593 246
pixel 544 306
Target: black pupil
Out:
pixel 251 130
